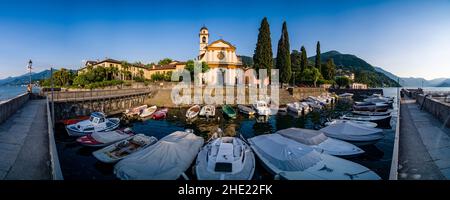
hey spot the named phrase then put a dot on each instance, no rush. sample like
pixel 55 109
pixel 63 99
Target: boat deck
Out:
pixel 24 144
pixel 424 152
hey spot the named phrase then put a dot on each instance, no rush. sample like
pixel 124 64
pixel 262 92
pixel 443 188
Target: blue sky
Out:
pixel 408 38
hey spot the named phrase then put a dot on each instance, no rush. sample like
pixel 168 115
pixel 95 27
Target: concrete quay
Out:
pixel 24 144
pixel 424 147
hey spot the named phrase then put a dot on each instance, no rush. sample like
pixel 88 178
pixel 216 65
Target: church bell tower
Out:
pixel 204 36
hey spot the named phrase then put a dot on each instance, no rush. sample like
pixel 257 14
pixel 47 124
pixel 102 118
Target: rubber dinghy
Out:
pixel 169 158
pixel 354 133
pixel 225 158
pixel 320 142
pixel 288 159
pixel 192 112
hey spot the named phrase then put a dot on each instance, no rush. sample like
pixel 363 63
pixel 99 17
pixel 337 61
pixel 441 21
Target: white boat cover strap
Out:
pixel 284 153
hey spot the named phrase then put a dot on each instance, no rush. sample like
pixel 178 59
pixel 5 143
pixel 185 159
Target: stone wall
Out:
pixel 437 108
pixel 10 106
pixel 300 93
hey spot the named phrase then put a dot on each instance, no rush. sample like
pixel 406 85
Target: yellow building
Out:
pixel 219 54
pixel 130 71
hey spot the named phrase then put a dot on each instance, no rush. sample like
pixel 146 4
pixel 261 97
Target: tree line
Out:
pixel 294 67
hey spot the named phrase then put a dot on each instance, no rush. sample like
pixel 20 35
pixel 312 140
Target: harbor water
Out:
pixel 77 161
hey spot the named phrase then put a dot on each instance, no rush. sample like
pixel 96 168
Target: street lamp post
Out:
pixel 30 63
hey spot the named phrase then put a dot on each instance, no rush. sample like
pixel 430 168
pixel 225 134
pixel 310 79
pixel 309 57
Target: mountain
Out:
pixel 25 79
pixel 416 82
pixel 364 72
pixel 388 74
pixel 247 60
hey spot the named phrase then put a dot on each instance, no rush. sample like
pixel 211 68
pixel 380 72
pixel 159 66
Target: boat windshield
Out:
pixel 223 167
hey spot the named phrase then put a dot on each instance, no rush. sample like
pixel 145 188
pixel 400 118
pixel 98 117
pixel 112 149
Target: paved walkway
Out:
pixel 424 152
pixel 24 153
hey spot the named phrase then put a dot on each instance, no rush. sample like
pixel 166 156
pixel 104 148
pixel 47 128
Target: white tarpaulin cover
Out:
pixel 165 160
pixel 284 153
pixel 352 131
pixel 305 136
pixel 110 136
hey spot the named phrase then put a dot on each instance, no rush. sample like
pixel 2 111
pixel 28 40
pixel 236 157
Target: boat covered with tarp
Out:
pixel 288 159
pixel 167 159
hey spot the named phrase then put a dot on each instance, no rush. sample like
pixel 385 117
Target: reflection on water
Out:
pixel 78 163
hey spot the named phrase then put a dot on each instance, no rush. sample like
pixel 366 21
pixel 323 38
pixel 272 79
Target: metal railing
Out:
pixel 95 94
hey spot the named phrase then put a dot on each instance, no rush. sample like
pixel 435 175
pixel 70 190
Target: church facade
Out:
pixel 220 56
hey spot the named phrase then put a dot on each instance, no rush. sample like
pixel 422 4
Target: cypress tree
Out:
pixel 295 64
pixel 304 60
pixel 328 70
pixel 318 64
pixel 283 56
pixel 263 56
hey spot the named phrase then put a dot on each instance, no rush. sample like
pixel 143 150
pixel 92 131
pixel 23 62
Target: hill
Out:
pixel 25 78
pixel 364 72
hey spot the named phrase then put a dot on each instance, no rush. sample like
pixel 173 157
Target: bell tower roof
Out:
pixel 203 28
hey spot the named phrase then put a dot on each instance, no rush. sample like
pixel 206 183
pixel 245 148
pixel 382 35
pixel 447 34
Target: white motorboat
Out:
pixel 225 158
pixel 298 108
pixel 313 104
pixel 288 159
pixel 97 122
pixel 192 112
pixel 368 106
pixel 167 159
pixel 148 111
pixel 346 95
pixel 368 113
pixel 135 111
pixel 208 111
pixel 362 123
pixel 320 142
pixel 261 108
pixel 354 133
pixel 246 110
pixel 381 121
pixel 101 139
pixel 124 148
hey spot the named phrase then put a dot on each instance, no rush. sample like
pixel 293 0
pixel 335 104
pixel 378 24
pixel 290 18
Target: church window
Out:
pixel 203 39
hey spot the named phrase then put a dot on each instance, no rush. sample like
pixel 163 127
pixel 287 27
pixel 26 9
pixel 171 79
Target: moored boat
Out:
pixel 320 142
pixel 167 159
pixel 225 158
pixel 346 95
pixel 160 114
pixel 261 108
pixel 101 139
pixel 135 111
pixel 148 111
pixel 298 108
pixel 368 113
pixel 97 122
pixel 228 111
pixel 74 120
pixel 368 106
pixel 288 159
pixel 351 132
pixel 381 121
pixel 208 111
pixel 124 148
pixel 362 123
pixel 192 112
pixel 246 110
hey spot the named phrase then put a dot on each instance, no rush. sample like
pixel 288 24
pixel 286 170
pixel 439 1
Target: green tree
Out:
pixel 263 56
pixel 295 64
pixel 342 81
pixel 283 61
pixel 328 70
pixel 303 60
pixel 317 63
pixel 311 76
pixel 165 61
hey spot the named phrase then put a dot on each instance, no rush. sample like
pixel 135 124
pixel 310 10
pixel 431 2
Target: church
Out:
pixel 219 55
